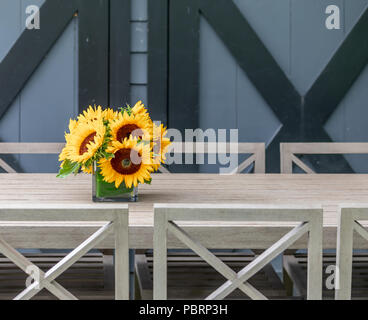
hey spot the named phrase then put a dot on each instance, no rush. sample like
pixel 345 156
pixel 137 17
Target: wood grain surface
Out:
pixel 19 191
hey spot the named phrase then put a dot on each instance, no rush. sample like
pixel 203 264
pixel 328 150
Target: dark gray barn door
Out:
pixel 79 56
pixel 269 68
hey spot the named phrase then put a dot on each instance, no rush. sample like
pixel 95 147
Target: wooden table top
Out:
pixel 300 189
pixel 330 191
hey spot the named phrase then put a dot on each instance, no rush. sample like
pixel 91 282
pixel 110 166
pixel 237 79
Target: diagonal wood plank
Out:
pixel 67 261
pixel 23 263
pixel 34 45
pixel 361 230
pixel 213 261
pixel 266 257
pixel 6 167
pixel 245 164
pixel 301 164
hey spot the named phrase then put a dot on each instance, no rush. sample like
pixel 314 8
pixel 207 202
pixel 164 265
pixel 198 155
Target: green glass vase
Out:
pixel 103 191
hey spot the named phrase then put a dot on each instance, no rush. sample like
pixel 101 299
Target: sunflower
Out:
pixel 96 113
pixel 72 124
pixel 139 108
pixel 84 141
pixel 64 153
pixel 160 144
pixel 87 169
pixel 127 125
pixel 109 114
pixel 131 163
pixel 91 114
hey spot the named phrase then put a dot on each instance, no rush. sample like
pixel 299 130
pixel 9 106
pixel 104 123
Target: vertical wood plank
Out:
pixel 260 159
pixel 286 164
pixel 160 256
pixel 344 255
pixel 314 290
pixel 158 59
pixel 121 229
pixel 183 64
pixel 119 86
pixel 93 53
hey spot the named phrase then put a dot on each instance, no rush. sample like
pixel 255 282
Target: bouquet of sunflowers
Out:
pixel 121 148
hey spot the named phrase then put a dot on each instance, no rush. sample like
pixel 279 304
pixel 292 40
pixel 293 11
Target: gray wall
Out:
pixel 293 31
pixel 41 111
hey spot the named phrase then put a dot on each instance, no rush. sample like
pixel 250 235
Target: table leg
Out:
pixel 344 256
pixel 160 257
pixel 314 291
pixel 121 257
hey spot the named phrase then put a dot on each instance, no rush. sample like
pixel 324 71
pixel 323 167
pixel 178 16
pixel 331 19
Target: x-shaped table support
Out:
pixel 47 280
pixel 24 264
pixel 164 223
pixel 118 224
pixel 348 222
pixel 239 280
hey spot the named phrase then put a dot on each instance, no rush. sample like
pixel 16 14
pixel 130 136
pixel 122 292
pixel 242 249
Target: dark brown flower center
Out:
pixel 83 147
pixel 127 130
pixel 126 161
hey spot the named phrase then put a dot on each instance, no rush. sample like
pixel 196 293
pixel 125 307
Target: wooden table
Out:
pixel 257 189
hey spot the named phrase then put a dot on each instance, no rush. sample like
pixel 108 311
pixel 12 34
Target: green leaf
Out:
pixel 106 189
pixel 88 163
pixel 108 155
pixel 148 181
pixel 126 109
pixel 68 168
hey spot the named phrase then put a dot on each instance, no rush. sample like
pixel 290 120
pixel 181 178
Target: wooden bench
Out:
pixel 289 152
pixel 85 279
pixel 10 148
pixel 165 221
pixel 46 148
pixel 114 220
pixel 350 220
pixel 296 268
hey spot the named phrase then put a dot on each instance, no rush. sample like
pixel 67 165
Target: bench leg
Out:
pixel 344 257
